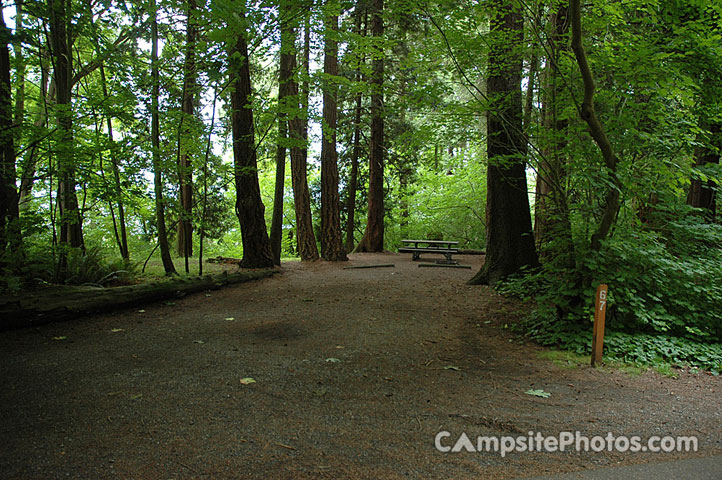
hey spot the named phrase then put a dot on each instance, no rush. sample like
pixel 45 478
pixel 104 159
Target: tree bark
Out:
pixel 249 207
pixel 298 129
pixel 185 166
pixel 510 241
pixel 356 149
pixel 285 76
pixel 9 234
pixel 353 178
pixel 71 232
pixel 155 134
pixel 373 239
pixel 19 70
pixel 551 212
pixel 331 235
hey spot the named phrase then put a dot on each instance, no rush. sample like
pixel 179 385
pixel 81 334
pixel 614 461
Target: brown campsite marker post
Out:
pixel 600 310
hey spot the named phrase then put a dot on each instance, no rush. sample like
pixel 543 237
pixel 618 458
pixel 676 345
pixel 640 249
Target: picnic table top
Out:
pixel 432 242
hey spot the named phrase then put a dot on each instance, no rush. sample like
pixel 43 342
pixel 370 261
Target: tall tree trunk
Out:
pixel 373 239
pixel 249 207
pixel 702 194
pixel 9 235
pixel 285 77
pixel 204 205
pixel 510 242
pixel 353 177
pixel 331 235
pixel 155 134
pixel 551 220
pixel 19 70
pixel 356 149
pixel 298 129
pixel 185 167
pixel 71 232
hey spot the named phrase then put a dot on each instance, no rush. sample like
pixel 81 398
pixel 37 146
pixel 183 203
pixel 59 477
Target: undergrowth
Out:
pixel 664 302
pixel 35 267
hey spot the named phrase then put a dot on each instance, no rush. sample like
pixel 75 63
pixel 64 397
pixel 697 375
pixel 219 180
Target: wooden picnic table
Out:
pixel 432 243
pixel 444 247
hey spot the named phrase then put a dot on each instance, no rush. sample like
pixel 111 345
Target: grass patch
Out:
pixel 571 360
pixel 564 359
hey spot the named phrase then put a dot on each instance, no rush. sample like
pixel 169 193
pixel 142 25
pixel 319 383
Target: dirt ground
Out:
pixel 356 370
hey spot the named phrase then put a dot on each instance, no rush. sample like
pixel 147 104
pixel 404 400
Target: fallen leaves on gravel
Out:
pixel 247 381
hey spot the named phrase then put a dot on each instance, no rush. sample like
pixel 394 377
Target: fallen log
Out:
pixel 66 302
pixel 352 267
pixel 443 265
pixel 224 260
pixel 470 251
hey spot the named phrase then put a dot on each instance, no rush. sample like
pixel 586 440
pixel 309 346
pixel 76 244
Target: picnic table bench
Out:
pixel 444 247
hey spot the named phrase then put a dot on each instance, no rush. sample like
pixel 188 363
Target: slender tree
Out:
pixel 285 78
pixel 510 242
pixel 360 19
pixel 116 199
pixel 19 68
pixel 120 231
pixel 353 176
pixel 373 239
pixel 249 207
pixel 185 167
pixel 588 113
pixel 71 232
pixel 155 135
pixel 298 131
pixel 331 234
pixel 8 190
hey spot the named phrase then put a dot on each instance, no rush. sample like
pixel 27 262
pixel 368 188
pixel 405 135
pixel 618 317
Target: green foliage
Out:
pixel 441 203
pixel 670 284
pixel 640 349
pixel 93 268
pixel 664 303
pixel 35 266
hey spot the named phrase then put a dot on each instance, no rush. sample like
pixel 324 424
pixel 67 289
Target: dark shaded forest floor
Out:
pixel 356 371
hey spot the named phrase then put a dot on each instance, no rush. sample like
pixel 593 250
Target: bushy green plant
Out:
pixel 33 266
pixel 93 268
pixel 665 294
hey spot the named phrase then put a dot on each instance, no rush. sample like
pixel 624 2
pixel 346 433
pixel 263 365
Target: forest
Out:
pixel 575 143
